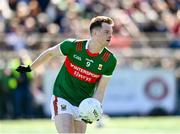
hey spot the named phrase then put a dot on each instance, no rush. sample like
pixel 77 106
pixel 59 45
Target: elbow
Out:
pixel 50 53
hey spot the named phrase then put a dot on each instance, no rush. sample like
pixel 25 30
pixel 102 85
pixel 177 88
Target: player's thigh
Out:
pixel 79 126
pixel 64 123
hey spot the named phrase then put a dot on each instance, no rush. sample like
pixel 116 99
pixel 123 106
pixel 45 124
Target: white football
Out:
pixel 90 109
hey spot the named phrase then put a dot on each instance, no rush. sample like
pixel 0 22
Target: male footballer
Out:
pixel 87 68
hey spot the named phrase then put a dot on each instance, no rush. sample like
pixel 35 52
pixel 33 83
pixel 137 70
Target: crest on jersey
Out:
pixel 63 107
pixel 100 67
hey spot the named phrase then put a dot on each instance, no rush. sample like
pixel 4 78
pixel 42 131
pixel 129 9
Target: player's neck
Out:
pixel 95 47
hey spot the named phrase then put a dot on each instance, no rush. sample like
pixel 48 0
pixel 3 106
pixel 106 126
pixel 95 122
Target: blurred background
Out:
pixel 146 42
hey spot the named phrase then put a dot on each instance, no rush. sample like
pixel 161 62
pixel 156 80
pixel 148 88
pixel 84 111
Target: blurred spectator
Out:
pixel 175 41
pixel 8 83
pixel 134 18
pixel 22 96
pixel 43 4
pixel 15 39
pixel 38 97
pixel 42 22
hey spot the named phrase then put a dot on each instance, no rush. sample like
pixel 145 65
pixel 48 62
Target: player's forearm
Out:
pixel 101 87
pixel 99 96
pixel 43 58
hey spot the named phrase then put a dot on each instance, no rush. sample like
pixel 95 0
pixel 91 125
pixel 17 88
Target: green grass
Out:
pixel 127 125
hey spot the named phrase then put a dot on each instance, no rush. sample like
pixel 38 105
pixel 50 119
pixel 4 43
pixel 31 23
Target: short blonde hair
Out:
pixel 97 22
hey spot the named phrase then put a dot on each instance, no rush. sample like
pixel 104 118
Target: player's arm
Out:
pixel 103 82
pixel 41 59
pixel 46 56
pixel 101 87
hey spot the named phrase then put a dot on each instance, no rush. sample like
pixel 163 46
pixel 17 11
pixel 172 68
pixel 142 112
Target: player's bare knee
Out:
pixel 79 127
pixel 64 123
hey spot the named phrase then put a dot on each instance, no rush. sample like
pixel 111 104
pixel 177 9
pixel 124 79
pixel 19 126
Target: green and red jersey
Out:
pixel 81 70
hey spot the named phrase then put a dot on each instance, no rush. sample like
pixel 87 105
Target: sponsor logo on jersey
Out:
pixel 77 57
pixel 63 107
pixel 100 67
pixel 81 73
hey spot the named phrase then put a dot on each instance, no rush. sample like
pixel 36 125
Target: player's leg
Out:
pixel 79 126
pixel 62 114
pixel 64 123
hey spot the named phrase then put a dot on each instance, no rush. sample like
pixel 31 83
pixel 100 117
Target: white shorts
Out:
pixel 61 106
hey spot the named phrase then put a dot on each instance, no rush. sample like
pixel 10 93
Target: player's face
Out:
pixel 104 34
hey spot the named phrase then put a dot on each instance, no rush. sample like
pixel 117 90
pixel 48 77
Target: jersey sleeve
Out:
pixel 112 65
pixel 67 46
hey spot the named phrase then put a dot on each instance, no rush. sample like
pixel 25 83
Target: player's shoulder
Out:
pixel 73 40
pixel 111 56
pixel 69 40
pixel 80 44
pixel 75 44
pixel 83 41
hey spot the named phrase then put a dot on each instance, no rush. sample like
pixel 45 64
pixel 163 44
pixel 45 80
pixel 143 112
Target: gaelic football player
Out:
pixel 87 68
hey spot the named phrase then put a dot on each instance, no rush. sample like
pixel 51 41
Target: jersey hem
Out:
pixel 107 75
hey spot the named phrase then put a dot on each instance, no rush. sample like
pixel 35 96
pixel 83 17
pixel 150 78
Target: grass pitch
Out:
pixel 126 125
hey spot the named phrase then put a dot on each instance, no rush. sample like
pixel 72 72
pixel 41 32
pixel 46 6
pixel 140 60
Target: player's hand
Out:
pixel 23 69
pixel 87 121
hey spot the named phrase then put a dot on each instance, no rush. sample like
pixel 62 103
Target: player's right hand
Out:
pixel 87 121
pixel 23 69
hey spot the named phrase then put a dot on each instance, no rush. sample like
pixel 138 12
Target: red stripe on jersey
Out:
pixel 104 57
pixel 91 54
pixel 81 73
pixel 107 57
pixel 79 46
pixel 55 106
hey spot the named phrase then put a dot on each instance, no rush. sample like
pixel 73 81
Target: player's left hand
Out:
pixel 87 121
